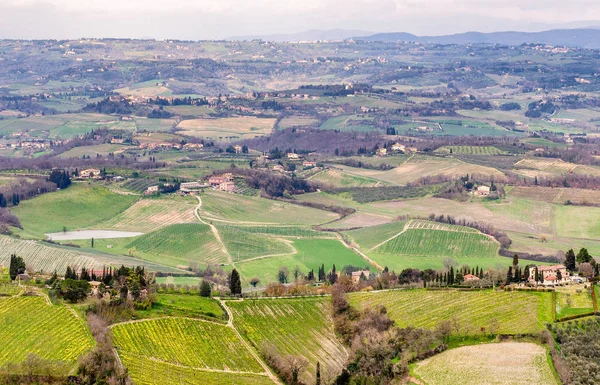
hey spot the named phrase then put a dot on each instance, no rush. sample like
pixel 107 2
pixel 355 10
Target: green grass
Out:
pixel 145 371
pixel 76 207
pixel 572 300
pixel 179 244
pixel 179 281
pixel 311 253
pixel 424 244
pixel 516 312
pixel 28 325
pixel 231 207
pixel 301 327
pixel 183 305
pixel 369 237
pixel 245 245
pixel 577 222
pixel 181 341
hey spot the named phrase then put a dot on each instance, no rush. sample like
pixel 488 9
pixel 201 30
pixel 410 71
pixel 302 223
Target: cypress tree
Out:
pixel 318 375
pixel 236 284
pixel 451 276
pixel 509 275
pixel 205 289
pixel 570 260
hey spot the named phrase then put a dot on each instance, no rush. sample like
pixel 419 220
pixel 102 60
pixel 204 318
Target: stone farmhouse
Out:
pixel 549 275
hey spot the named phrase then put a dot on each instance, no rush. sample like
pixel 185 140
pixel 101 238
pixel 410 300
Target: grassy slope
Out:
pixel 77 207
pixel 186 342
pixel 230 207
pixel 30 325
pixel 294 326
pixel 311 253
pixel 516 312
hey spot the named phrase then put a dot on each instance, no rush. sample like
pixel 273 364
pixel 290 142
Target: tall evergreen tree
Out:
pixel 17 266
pixel 509 275
pixel 205 289
pixel 515 259
pixel 570 261
pixel 318 375
pixel 583 256
pixel 235 284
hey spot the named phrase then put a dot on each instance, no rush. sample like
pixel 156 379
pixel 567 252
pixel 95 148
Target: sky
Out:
pixel 218 19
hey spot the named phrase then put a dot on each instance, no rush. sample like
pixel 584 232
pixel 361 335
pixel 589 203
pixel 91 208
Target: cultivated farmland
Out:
pixel 181 243
pixel 515 312
pixel 240 208
pixel 30 325
pixel 147 215
pixel 244 245
pixel 239 127
pixel 301 327
pixel 431 240
pixel 470 150
pixel 79 206
pixel 193 344
pixel 506 363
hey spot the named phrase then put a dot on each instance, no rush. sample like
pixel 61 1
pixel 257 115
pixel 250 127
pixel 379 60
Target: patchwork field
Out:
pixel 191 348
pixel 515 312
pixel 253 210
pixel 547 167
pixel 338 178
pixel 297 121
pixel 300 327
pixel 227 128
pixel 93 151
pixel 52 332
pixel 77 207
pixel 510 363
pixel 245 245
pixel 556 195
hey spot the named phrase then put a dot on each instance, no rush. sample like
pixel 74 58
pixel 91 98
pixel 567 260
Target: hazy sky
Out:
pixel 202 19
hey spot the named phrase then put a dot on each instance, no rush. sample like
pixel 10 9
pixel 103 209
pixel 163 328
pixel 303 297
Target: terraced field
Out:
pixel 181 243
pixel 253 210
pixel 179 349
pixel 147 215
pixel 29 325
pixel 515 312
pixel 506 363
pixel 300 327
pixel 470 150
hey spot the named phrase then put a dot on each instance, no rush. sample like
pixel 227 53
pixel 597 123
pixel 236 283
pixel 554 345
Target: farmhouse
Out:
pixel 293 156
pixel 550 275
pixel 356 275
pixel 189 187
pixel 216 180
pixel 278 168
pixel 307 163
pixel 238 149
pixel 471 278
pixel 193 146
pixel 483 190
pixel 151 190
pixel 227 187
pixel 90 173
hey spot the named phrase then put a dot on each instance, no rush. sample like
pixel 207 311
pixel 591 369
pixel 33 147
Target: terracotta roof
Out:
pixel 550 278
pixel 551 268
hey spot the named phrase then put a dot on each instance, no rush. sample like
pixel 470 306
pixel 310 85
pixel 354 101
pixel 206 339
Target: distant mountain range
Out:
pixel 584 37
pixel 588 37
pixel 311 35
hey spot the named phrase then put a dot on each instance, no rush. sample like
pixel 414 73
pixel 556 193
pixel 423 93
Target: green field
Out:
pixel 231 207
pixel 29 325
pixel 573 299
pixel 337 178
pixel 310 254
pixel 179 244
pixel 183 305
pixel 245 245
pixel 77 207
pixel 516 312
pixel 300 327
pixel 193 344
pixel 423 244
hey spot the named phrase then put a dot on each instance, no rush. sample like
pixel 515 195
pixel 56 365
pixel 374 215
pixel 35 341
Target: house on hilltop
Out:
pixel 90 173
pixel 550 275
